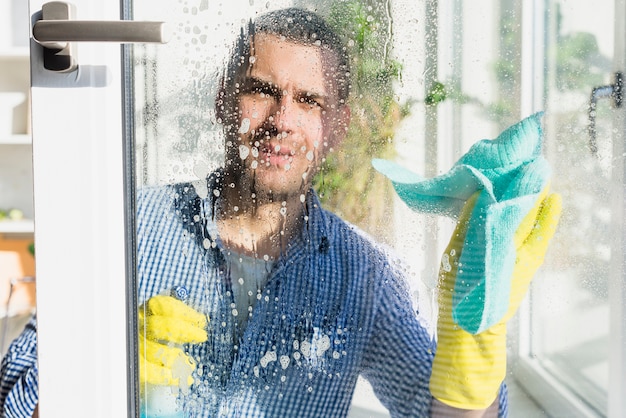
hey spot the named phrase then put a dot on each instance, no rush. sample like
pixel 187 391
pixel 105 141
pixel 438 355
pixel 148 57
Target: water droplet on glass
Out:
pixel 244 151
pixel 445 263
pixel 269 357
pixel 245 126
pixel 305 349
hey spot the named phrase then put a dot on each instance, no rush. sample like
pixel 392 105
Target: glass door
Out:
pixel 134 140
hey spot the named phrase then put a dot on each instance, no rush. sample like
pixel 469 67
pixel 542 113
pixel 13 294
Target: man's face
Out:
pixel 289 116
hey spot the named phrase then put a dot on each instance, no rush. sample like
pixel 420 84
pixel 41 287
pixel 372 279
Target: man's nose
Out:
pixel 286 114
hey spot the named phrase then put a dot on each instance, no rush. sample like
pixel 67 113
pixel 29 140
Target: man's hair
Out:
pixel 294 25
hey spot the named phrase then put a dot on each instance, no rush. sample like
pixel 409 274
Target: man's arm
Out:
pixel 19 380
pixel 398 360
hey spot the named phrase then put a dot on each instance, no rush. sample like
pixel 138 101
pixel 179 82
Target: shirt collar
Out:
pixel 314 234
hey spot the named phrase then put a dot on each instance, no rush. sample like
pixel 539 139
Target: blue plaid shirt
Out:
pixel 334 307
pixel 19 382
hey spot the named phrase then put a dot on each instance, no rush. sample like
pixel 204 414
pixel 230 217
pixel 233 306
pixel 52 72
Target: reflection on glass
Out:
pixel 571 307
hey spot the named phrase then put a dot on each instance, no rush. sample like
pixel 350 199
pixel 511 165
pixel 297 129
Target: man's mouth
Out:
pixel 275 154
pixel 267 154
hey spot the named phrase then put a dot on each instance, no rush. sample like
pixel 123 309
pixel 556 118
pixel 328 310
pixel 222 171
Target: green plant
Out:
pixel 436 94
pixel 347 183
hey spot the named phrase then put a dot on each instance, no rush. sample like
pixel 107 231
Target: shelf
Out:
pixel 26 226
pixel 21 53
pixel 16 140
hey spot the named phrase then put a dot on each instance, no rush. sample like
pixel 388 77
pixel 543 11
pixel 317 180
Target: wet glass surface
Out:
pixel 427 80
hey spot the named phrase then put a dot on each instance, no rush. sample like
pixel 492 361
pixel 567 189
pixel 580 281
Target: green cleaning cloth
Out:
pixel 509 172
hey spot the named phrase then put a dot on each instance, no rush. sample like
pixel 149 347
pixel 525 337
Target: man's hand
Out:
pixel 165 323
pixel 469 369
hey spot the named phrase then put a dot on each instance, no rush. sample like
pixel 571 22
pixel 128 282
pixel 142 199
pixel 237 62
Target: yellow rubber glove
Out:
pixel 164 324
pixel 469 369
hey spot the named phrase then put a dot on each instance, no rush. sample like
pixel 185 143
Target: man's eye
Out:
pixel 311 101
pixel 265 91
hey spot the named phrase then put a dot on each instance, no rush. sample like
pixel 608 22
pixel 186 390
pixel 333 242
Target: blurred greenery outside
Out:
pixel 349 186
pixel 347 183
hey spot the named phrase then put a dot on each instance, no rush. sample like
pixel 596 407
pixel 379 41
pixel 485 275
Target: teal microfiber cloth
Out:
pixel 509 172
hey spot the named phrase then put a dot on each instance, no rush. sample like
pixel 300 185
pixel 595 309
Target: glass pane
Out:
pixel 291 312
pixel 571 312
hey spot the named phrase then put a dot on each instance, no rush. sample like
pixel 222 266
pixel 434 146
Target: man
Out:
pixel 283 305
pixel 299 303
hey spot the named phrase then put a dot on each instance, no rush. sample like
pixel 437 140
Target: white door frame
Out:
pixel 79 228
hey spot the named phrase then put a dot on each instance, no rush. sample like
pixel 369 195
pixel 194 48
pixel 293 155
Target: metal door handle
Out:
pixel 57 30
pixel 613 91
